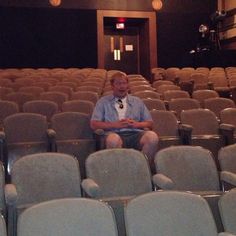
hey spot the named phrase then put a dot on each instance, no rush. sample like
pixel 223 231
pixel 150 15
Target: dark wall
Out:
pixel 32 37
pixel 177 29
pixel 33 34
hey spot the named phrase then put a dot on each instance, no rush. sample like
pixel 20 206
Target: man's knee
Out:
pixel 113 140
pixel 149 137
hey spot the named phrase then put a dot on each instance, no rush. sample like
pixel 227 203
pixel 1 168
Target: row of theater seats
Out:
pixel 97 80
pixel 70 132
pixel 174 100
pixel 160 213
pixel 27 133
pixel 116 176
pixel 217 78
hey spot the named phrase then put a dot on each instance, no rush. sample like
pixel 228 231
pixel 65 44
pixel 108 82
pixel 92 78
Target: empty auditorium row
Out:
pixel 46 193
pixel 49 152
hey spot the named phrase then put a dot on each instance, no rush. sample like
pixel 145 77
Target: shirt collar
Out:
pixel 113 99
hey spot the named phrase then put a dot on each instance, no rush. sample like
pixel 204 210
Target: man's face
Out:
pixel 120 87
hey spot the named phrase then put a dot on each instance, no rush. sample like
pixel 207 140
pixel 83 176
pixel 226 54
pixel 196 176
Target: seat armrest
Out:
pixel 90 187
pixel 2 136
pixel 51 133
pixel 99 132
pixel 227 131
pixel 162 181
pixel 166 104
pixel 228 177
pixel 176 80
pixel 185 133
pixel 99 138
pixel 10 194
pixel 210 85
pixel 226 234
pixel 2 148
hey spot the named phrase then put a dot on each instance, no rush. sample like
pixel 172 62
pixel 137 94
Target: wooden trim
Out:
pixel 151 18
pixel 100 38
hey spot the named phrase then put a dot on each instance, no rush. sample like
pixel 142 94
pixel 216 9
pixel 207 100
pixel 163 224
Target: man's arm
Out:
pixel 95 124
pixel 125 123
pixel 140 124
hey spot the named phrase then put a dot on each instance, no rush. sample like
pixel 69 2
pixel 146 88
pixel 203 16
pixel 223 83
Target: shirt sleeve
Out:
pixel 146 115
pixel 98 112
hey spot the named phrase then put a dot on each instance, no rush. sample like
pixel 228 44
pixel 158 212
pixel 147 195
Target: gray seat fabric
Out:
pixel 86 95
pixel 61 88
pixel 2 185
pixel 7 108
pixel 179 104
pixel 20 98
pixel 154 104
pixel 206 131
pixel 189 168
pixel 141 88
pixel 4 91
pixel 172 94
pixel 54 96
pixel 43 107
pixel 117 172
pixel 40 177
pixel 169 213
pixel 218 104
pixel 157 83
pixel 165 87
pixel 147 94
pixel 227 207
pixel 90 88
pixel 203 94
pixel 200 80
pixel 227 161
pixel 166 125
pixel 74 135
pixel 82 106
pixel 34 90
pixel 228 116
pixel 3 230
pixel 25 133
pixel 68 217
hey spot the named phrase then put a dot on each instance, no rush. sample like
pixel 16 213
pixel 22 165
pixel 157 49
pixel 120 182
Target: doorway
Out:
pixel 121 49
pixel 131 48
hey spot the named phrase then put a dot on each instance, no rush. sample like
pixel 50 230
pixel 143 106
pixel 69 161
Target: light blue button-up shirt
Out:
pixel 105 111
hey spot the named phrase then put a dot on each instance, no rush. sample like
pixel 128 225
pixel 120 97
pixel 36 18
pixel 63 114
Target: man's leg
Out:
pixel 149 144
pixel 113 140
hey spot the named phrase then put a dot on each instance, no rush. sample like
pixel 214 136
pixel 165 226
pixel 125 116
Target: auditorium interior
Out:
pixel 57 58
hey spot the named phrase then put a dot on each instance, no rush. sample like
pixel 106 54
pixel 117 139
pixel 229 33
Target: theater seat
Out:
pixel 169 213
pixel 68 217
pixel 25 133
pixel 74 135
pixel 40 177
pixel 117 172
pixel 227 207
pixel 227 160
pixel 188 168
pixel 3 231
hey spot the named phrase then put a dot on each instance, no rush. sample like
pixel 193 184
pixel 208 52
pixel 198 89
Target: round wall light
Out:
pixel 55 3
pixel 156 4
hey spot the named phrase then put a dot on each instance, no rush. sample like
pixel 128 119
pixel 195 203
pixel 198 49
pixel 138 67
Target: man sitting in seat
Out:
pixel 125 119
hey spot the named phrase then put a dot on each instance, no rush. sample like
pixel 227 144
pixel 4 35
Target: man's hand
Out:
pixel 129 123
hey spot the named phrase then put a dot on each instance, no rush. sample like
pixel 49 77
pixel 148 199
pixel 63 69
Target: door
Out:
pixel 121 48
pixel 138 39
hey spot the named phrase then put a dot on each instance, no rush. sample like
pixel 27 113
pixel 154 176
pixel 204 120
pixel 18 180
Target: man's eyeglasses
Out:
pixel 121 105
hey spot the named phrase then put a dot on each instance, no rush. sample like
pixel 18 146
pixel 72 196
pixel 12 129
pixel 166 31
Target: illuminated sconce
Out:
pixel 156 4
pixel 55 3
